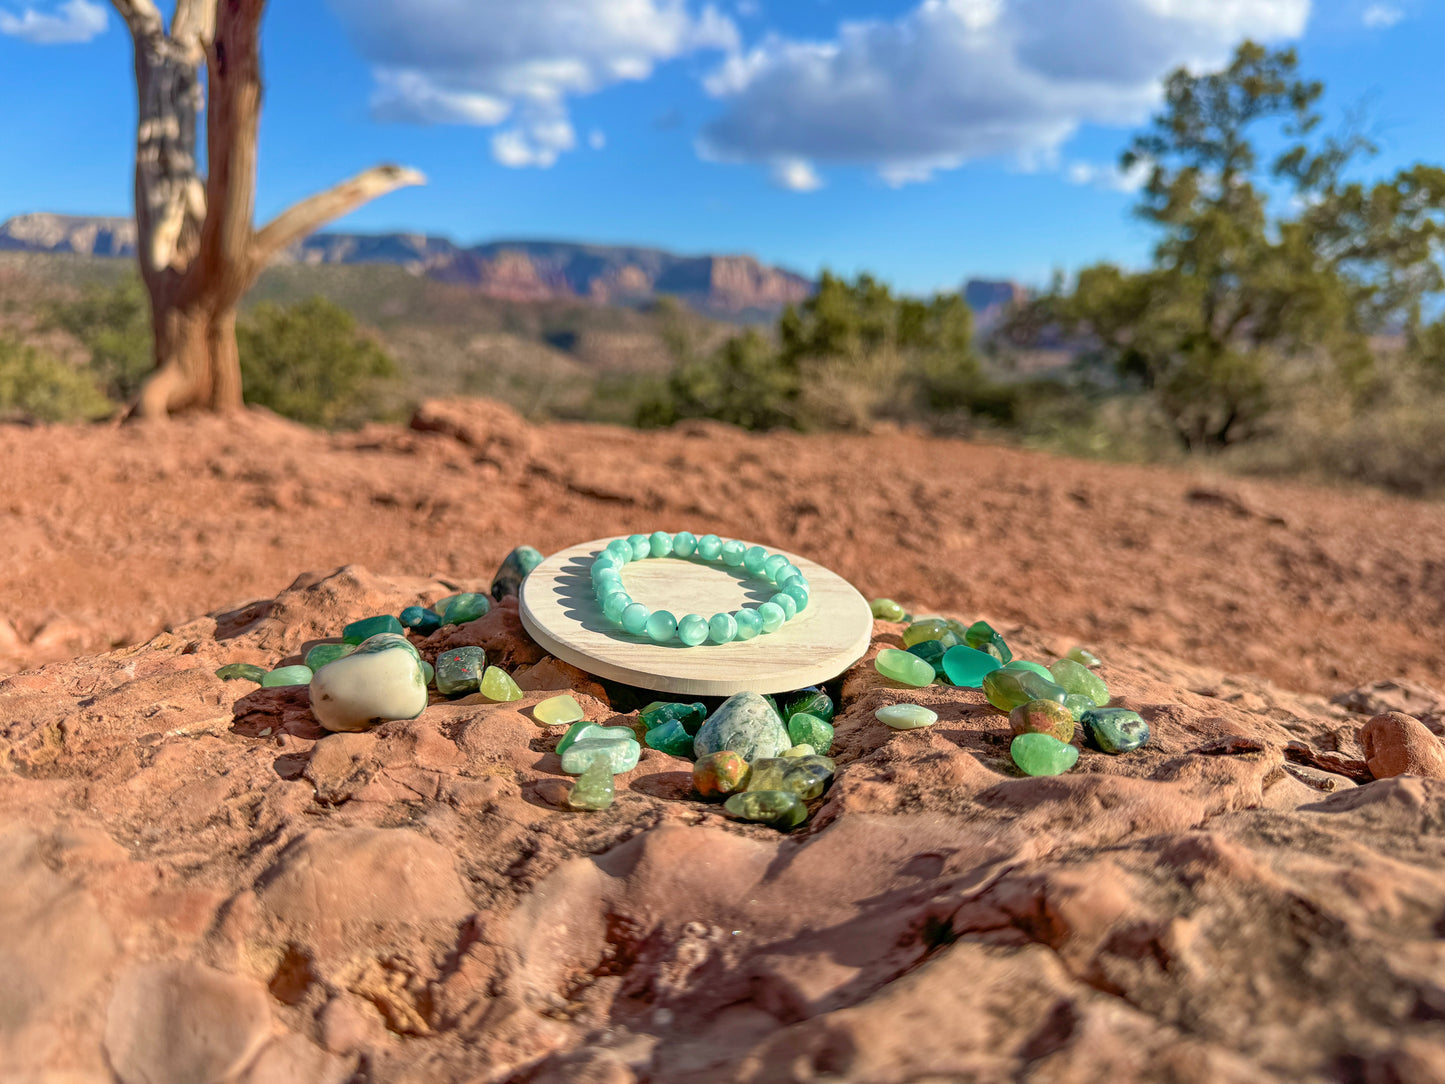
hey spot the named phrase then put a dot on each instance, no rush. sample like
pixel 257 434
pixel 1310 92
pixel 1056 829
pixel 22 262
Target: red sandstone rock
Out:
pixel 1399 744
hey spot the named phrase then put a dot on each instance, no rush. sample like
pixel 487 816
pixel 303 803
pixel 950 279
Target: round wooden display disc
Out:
pixel 560 611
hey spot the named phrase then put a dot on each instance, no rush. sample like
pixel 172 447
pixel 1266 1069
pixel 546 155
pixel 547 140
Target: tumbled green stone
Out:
pixel 720 773
pixel 1039 754
pixel 659 626
pixel 753 559
pixel 641 546
pixel 615 605
pixel 775 808
pixel 672 739
pixel 1077 704
pixel 722 628
pixel 690 716
pixel 367 627
pixel 805 776
pixel 747 724
pixel 1079 680
pixel 619 756
pixel 966 667
pixel 805 729
pixel 467 607
pixel 1037 668
pixel 241 671
pixel 787 604
pixel 929 628
pixel 509 577
pixel 321 654
pixel 812 700
pixel 594 788
pixel 420 620
pixel 428 672
pixel 684 544
pixel 556 710
pixel 385 641
pixel 635 618
pixel 459 670
pixel 691 629
pixel 1084 657
pixel 982 636
pixel 906 716
pixel 287 675
pixel 749 623
pixel 1115 730
pixel 1007 689
pixel 803 750
pixel 498 685
pixel 931 652
pixel 902 667
pixel 1043 717
pixel 709 546
pixel 772 616
pixel 585 731
pixel 885 609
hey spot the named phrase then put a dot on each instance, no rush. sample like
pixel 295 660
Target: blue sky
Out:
pixel 925 141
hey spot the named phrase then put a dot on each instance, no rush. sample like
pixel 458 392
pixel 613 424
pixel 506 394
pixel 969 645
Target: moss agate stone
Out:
pixel 1079 680
pixel 420 620
pixel 720 773
pixel 498 685
pixel 982 636
pixel 806 729
pixel 906 716
pixel 459 670
pixel 1115 730
pixel 966 667
pixel 241 671
pixel 745 723
pixel 1039 754
pixel 619 756
pixel 467 607
pixel 1043 717
pixel 368 687
pixel 594 788
pixel 1084 657
pixel 805 776
pixel 368 627
pixel 904 668
pixel 810 701
pixel 689 716
pixel 557 710
pixel 321 654
pixel 885 609
pixel 672 739
pixel 286 675
pixel 775 808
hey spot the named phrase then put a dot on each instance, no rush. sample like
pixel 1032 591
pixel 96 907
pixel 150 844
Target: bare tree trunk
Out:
pixel 199 251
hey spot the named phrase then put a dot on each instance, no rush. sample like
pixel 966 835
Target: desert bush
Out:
pixel 112 322
pixel 36 386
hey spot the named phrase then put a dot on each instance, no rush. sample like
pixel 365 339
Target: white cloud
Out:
pixel 954 80
pixel 1382 15
pixel 796 175
pixel 483 62
pixel 75 21
pixel 596 139
pixel 1109 178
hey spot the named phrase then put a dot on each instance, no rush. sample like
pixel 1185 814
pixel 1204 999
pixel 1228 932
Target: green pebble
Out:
pixel 805 776
pixel 804 750
pixel 619 756
pixel 594 788
pixel 428 672
pixel 692 629
pixel 1115 730
pixel 1077 704
pixel 585 731
pixel 557 710
pixel 467 607
pixel 1007 689
pixel 420 620
pixel 966 667
pixel 931 652
pixel 906 716
pixel 929 628
pixel 1084 657
pixel 635 619
pixel 1080 681
pixel 498 685
pixel 982 636
pixel 775 808
pixel 287 675
pixel 459 670
pixel 1037 668
pixel 812 700
pixel 671 738
pixel 368 627
pixel 746 723
pixel 902 667
pixel 241 671
pixel 805 729
pixel 1039 754
pixel 321 654
pixel 885 609
pixel 659 712
pixel 722 629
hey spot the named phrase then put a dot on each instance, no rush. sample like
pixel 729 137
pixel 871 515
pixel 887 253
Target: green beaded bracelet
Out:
pixel 692 629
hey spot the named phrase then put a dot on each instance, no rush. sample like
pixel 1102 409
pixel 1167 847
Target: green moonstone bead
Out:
pixel 773 565
pixel 641 546
pixel 885 609
pixel 732 553
pixel 1043 717
pixel 709 546
pixel 806 776
pixel 692 629
pixel 906 716
pixel 966 667
pixel 720 773
pixel 749 623
pixel 498 685
pixel 672 739
pixel 385 641
pixel 931 652
pixel 635 618
pixel 287 675
pixel 594 788
pixel 321 654
pixel 775 808
pixel 1079 680
pixel 1084 657
pixel 929 628
pixel 1115 730
pixel 785 603
pixel 659 544
pixel 428 672
pixel 798 593
pixel 420 620
pixel 513 570
pixel 805 729
pixel 812 700
pixel 242 671
pixel 690 716
pixel 1007 689
pixel 753 559
pixel 1037 668
pixel 459 670
pixel 621 549
pixel 684 544
pixel 606 582
pixel 1077 704
pixel 606 561
pixel 467 607
pixel 660 626
pixel 614 606
pixel 1039 754
pixel 981 635
pixel 722 628
pixel 367 627
pixel 902 667
pixel 583 730
pixel 619 756
pixel 772 616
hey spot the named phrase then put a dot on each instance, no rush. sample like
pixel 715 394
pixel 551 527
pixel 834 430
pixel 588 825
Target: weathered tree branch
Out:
pixel 305 218
pixel 194 25
pixel 142 16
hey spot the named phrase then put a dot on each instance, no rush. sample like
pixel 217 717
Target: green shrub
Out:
pixel 114 324
pixel 35 386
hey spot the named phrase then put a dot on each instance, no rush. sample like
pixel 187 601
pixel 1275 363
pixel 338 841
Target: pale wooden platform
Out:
pixel 560 612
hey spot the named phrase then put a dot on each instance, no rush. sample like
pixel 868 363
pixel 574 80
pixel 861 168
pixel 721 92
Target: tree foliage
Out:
pixel 113 323
pixel 37 387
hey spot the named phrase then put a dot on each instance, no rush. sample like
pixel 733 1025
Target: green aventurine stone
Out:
pixel 1115 730
pixel 1043 717
pixel 981 635
pixel 1077 704
pixel 459 670
pixel 929 628
pixel 775 808
pixel 902 667
pixel 1084 657
pixel 1079 680
pixel 242 671
pixel 806 729
pixel 287 675
pixel 966 667
pixel 1007 689
pixel 619 756
pixel 885 609
pixel 498 685
pixel 594 788
pixel 805 776
pixel 420 620
pixel 812 701
pixel 464 608
pixel 585 731
pixel 321 654
pixel 556 710
pixel 1039 754
pixel 906 716
pixel 672 739
pixel 931 652
pixel 368 627
pixel 689 716
pixel 720 773
pixel 1037 668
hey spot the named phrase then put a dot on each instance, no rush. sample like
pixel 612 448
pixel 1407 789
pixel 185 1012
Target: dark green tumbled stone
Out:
pixel 1007 689
pixel 459 670
pixel 368 627
pixel 812 701
pixel 420 620
pixel 931 652
pixel 982 636
pixel 241 671
pixel 672 739
pixel 660 712
pixel 966 667
pixel 509 577
pixel 775 808
pixel 1115 730
pixel 466 607
pixel 321 654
